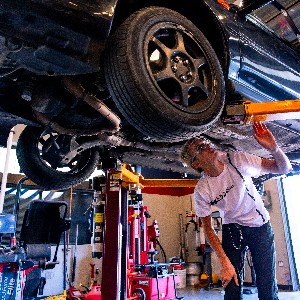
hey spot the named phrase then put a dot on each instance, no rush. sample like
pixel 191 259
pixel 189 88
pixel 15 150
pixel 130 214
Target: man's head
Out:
pixel 192 150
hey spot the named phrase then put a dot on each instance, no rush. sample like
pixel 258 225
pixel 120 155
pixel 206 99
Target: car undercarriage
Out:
pixel 99 82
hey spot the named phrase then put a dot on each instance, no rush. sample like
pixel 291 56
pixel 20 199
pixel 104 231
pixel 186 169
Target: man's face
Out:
pixel 200 149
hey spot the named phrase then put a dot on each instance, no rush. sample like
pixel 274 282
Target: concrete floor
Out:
pixel 191 293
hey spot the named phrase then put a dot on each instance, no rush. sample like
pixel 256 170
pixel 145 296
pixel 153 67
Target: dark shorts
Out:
pixel 260 240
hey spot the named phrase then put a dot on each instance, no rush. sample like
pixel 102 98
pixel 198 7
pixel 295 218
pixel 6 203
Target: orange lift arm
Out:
pixel 248 112
pixel 132 179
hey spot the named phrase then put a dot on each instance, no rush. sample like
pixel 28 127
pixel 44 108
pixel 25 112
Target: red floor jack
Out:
pixel 147 278
pixel 93 292
pixel 95 289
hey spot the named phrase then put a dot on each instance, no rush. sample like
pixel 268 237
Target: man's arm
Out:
pixel 280 164
pixel 227 271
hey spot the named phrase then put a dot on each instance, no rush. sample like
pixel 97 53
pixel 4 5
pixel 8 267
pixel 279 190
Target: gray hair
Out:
pixel 186 156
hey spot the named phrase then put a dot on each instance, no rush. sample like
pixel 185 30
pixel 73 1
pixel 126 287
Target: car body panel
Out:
pixel 268 66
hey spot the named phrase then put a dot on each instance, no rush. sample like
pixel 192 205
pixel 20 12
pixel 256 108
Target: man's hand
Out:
pixel 227 272
pixel 264 136
pixel 280 164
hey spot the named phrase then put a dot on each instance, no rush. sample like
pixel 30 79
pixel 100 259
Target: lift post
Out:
pixel 114 281
pixel 119 277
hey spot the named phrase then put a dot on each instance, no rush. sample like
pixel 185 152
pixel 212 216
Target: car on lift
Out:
pixel 133 80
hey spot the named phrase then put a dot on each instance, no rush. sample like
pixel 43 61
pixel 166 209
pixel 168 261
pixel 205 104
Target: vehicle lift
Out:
pixel 129 267
pixel 117 274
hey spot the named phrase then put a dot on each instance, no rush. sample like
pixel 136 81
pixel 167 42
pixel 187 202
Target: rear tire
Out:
pixel 34 166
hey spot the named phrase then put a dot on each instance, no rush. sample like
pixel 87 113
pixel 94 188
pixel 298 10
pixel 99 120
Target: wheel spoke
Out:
pixel 179 41
pixel 199 62
pixel 48 145
pixel 161 45
pixel 42 140
pixel 185 95
pixel 163 74
pixel 198 84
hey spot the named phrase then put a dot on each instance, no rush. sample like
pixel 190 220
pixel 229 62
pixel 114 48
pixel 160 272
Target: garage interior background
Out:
pixel 164 205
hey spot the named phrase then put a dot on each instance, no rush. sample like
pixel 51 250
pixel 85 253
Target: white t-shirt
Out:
pixel 228 192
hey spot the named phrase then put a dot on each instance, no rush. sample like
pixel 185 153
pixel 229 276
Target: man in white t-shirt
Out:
pixel 227 184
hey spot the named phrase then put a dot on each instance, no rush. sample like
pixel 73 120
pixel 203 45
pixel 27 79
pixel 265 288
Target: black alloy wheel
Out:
pixel 164 75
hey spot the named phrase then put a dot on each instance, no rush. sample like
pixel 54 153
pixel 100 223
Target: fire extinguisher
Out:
pixel 98 205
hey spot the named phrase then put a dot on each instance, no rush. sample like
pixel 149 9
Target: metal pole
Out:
pixel 5 172
pixel 111 264
pixel 124 240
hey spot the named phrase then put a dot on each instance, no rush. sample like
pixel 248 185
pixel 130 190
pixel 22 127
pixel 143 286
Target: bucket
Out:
pixel 180 278
pixel 193 271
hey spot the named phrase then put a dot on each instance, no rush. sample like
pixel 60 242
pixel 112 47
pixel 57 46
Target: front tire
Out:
pixel 39 154
pixel 164 75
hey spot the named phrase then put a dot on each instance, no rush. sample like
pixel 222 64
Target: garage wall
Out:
pixel 166 210
pixel 283 269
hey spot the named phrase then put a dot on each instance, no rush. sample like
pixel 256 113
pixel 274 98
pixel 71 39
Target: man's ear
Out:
pixel 193 164
pixel 196 165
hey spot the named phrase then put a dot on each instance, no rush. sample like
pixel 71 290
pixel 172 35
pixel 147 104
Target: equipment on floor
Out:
pixel 42 226
pixel 183 253
pixel 73 293
pixel 94 293
pixel 92 289
pixel 147 278
pixel 63 296
pixel 217 226
pixel 97 210
pixel 198 258
pixel 129 269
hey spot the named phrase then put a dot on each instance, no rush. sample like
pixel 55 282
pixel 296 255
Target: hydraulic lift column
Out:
pixel 114 264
